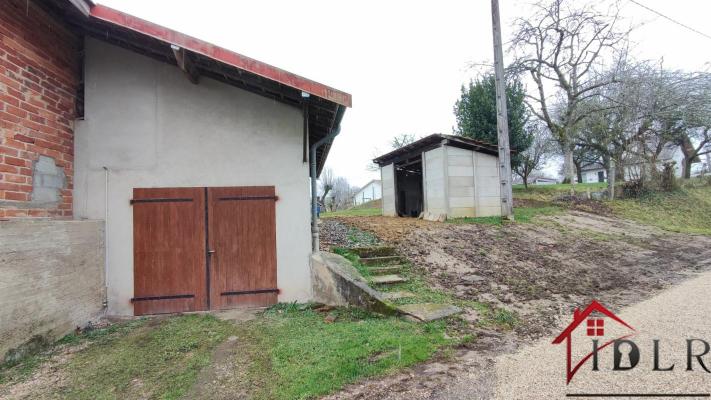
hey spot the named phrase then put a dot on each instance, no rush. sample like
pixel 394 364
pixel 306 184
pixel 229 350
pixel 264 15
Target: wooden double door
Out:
pixel 203 248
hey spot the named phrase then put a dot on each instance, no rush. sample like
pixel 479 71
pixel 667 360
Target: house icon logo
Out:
pixel 591 323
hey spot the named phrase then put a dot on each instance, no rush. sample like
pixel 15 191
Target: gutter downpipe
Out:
pixel 106 238
pixel 314 205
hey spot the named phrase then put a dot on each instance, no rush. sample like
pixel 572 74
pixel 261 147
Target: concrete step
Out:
pixel 387 279
pixel 391 269
pixel 381 260
pixel 397 295
pixel 426 312
pixel 378 251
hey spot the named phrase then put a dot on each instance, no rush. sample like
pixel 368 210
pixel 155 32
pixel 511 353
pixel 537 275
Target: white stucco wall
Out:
pixel 387 177
pixel 151 127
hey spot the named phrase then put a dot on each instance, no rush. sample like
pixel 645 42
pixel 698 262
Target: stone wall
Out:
pixel 51 280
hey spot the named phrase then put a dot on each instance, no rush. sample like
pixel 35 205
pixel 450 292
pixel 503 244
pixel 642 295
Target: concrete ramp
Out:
pixel 336 282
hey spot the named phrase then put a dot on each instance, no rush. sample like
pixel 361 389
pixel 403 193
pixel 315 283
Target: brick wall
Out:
pixel 39 76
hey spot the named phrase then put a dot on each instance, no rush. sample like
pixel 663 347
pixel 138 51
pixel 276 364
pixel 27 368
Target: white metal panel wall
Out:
pixel 434 184
pixel 387 175
pixel 460 171
pixel 487 185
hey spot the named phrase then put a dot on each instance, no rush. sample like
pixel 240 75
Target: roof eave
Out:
pixel 236 60
pixel 83 6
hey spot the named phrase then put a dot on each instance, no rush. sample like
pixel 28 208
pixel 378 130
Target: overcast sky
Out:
pixel 403 61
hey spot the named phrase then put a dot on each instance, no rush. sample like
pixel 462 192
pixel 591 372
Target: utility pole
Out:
pixel 502 122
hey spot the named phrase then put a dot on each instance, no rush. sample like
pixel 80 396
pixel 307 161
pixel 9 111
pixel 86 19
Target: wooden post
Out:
pixel 502 122
pixel 611 180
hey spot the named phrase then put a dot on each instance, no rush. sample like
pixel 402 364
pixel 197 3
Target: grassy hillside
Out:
pixel 368 209
pixel 549 192
pixel 686 210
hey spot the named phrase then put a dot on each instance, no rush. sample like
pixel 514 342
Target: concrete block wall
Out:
pixel 387 177
pixel 51 279
pixel 460 175
pixel 434 187
pixel 487 185
pixel 39 76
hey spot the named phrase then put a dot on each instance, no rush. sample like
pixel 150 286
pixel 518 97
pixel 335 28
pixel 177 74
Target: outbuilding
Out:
pixel 439 177
pixel 198 159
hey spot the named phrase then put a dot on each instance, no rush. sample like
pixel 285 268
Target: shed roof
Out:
pixel 432 142
pixel 326 105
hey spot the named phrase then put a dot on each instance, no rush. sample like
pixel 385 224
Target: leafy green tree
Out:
pixel 476 114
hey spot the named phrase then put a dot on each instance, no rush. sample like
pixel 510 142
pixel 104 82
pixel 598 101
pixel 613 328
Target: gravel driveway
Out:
pixel 679 313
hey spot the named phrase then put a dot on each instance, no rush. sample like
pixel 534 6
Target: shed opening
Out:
pixel 408 183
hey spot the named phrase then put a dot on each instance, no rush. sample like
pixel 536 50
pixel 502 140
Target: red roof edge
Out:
pixel 579 317
pixel 190 43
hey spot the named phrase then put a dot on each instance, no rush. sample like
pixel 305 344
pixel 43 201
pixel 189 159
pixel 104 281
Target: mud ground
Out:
pixel 540 270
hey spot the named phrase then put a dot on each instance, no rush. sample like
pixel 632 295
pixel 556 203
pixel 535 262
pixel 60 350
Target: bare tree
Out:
pixel 695 137
pixel 538 153
pixel 561 47
pixel 342 194
pixel 326 184
pixel 402 140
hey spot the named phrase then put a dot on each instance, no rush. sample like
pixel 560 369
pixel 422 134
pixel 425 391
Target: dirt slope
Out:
pixel 541 270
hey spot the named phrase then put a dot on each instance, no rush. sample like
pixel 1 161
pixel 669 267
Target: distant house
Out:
pixel 441 176
pixel 596 172
pixel 373 190
pixel 543 181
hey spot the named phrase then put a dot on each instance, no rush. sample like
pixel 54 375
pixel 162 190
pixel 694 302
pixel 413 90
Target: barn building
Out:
pixel 439 177
pixel 196 159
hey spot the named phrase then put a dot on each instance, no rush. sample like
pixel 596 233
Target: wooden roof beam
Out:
pixel 186 64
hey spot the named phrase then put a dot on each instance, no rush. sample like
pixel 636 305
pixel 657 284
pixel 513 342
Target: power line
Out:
pixel 671 19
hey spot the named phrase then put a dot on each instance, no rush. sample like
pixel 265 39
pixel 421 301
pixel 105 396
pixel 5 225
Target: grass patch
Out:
pixel 505 318
pixel 423 292
pixel 20 370
pixel 521 214
pixel 549 192
pixel 152 359
pixel 152 363
pixel 354 259
pixel 304 357
pixel 353 212
pixel 686 210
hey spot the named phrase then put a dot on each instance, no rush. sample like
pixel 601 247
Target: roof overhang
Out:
pixel 83 6
pixel 326 105
pixel 432 142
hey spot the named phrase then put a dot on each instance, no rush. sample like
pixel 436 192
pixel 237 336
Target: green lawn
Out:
pixel 150 359
pixel 301 356
pixel 289 352
pixel 353 212
pixel 548 192
pixel 686 210
pixel 521 214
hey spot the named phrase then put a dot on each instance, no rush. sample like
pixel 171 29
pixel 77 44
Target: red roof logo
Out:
pixel 594 327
